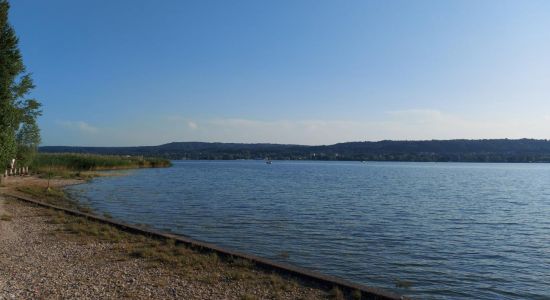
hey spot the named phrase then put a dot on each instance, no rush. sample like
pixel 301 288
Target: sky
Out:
pixel 145 72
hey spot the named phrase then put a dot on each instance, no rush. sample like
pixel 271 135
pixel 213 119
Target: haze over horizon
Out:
pixel 128 73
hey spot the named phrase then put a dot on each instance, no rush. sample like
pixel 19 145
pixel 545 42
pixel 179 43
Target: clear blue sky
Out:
pixel 309 72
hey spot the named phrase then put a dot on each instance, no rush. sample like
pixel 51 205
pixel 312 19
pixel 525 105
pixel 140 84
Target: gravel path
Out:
pixel 38 261
pixel 6 231
pixel 6 234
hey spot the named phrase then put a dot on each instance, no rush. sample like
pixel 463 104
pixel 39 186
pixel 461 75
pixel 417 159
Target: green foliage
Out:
pixel 28 139
pixel 8 147
pixel 15 85
pixel 495 150
pixel 50 195
pixel 46 162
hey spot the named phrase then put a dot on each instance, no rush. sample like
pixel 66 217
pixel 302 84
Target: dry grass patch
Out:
pixel 53 196
pixel 6 217
pixel 184 260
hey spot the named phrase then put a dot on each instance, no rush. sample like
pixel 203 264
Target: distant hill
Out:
pixel 490 150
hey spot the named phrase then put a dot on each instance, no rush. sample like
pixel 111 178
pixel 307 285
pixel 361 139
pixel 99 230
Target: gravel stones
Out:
pixel 37 261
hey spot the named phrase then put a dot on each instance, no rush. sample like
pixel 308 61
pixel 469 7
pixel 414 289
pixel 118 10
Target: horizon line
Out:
pixel 306 145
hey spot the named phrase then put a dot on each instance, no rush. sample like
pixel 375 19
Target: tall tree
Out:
pixel 28 139
pixel 16 109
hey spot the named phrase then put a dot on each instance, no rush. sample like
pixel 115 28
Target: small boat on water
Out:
pixel 267 161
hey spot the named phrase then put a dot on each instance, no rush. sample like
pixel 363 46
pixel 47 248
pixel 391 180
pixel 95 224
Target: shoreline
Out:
pixel 50 254
pixel 305 283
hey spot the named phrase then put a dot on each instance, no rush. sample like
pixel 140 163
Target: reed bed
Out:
pixel 74 162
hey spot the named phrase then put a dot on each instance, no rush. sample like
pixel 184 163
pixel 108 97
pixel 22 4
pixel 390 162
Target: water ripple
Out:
pixel 455 231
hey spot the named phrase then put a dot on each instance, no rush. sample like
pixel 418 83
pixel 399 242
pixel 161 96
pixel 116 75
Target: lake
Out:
pixel 449 230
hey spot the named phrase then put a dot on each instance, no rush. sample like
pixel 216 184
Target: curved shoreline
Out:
pixel 52 255
pixel 322 281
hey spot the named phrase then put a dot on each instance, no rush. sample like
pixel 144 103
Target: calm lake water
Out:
pixel 453 230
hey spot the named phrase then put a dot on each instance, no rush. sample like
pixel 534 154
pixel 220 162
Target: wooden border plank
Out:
pixel 303 273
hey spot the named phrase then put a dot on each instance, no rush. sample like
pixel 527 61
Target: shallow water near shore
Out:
pixel 426 230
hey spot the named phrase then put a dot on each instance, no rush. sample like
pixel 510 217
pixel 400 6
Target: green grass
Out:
pixel 175 255
pixel 74 165
pixel 5 217
pixel 135 245
pixel 53 196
